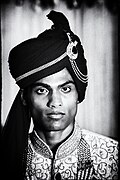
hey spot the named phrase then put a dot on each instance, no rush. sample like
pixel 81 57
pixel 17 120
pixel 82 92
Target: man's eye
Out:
pixel 42 91
pixel 65 89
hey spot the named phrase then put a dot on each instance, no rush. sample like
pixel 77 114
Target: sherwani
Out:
pixel 84 155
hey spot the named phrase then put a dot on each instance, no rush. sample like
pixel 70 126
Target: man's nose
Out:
pixel 55 100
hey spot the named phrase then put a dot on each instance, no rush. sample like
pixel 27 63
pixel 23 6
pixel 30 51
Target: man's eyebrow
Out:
pixel 40 84
pixel 49 87
pixel 67 82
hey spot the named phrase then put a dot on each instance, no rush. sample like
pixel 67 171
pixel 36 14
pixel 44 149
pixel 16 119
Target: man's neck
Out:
pixel 53 138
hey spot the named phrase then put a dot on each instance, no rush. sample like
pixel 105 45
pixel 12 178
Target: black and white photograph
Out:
pixel 59 90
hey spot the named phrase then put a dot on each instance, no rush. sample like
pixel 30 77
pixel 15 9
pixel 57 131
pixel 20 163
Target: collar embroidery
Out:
pixel 63 150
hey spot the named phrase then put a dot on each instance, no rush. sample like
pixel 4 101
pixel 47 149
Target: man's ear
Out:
pixel 23 97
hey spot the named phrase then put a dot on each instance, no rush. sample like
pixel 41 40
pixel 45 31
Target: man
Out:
pixel 52 75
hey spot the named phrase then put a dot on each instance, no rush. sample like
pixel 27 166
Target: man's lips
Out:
pixel 55 115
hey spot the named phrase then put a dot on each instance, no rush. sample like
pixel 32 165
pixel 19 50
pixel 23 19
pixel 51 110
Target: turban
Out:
pixel 51 51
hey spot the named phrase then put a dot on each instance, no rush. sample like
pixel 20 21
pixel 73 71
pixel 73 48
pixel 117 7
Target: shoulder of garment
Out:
pixel 104 153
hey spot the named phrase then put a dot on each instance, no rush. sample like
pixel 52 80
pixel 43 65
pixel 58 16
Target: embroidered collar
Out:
pixel 66 148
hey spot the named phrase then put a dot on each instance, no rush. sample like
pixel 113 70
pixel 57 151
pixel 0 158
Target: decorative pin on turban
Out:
pixel 53 50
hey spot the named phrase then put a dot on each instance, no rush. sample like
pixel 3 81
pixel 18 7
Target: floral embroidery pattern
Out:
pixel 104 153
pixel 85 155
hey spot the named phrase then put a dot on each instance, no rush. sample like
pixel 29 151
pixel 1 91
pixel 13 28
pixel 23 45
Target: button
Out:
pixel 58 176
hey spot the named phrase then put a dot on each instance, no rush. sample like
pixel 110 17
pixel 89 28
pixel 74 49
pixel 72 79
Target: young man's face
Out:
pixel 53 101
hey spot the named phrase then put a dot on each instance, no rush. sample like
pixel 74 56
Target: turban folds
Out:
pixel 53 50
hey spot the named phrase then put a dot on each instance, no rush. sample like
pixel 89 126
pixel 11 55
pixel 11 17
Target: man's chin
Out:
pixel 55 126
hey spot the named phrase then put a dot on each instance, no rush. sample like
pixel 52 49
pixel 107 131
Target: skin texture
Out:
pixel 53 106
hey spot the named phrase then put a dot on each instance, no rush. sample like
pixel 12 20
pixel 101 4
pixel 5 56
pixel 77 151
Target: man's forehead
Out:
pixel 57 78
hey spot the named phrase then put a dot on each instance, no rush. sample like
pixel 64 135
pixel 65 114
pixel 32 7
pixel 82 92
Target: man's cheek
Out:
pixel 36 113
